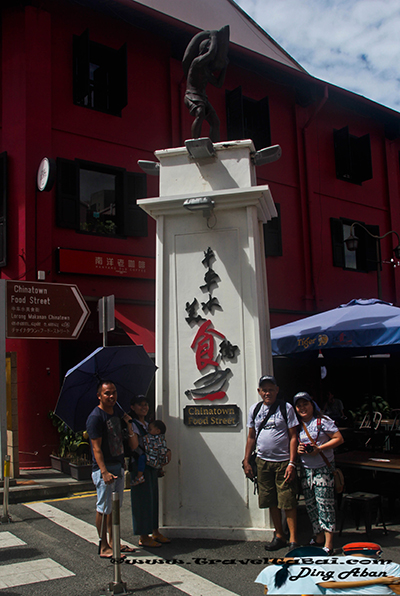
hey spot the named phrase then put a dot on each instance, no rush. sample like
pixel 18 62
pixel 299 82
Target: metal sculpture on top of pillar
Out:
pixel 205 61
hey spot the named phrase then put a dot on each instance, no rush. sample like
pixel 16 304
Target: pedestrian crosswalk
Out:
pixel 27 572
pixel 45 569
pixel 182 579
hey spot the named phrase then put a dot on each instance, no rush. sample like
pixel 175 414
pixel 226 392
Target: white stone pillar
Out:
pixel 204 492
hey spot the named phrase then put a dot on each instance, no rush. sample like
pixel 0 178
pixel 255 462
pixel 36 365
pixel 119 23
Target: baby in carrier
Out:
pixel 155 450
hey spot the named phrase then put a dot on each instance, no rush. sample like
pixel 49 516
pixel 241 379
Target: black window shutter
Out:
pixel 371 261
pixel 273 235
pixel 337 242
pixel 81 64
pixel 342 153
pixel 101 87
pixel 234 114
pixel 362 161
pixel 135 219
pixel 261 131
pixel 67 202
pixel 119 81
pixel 3 209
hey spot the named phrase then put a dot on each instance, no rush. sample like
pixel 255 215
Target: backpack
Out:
pixel 273 408
pixel 279 402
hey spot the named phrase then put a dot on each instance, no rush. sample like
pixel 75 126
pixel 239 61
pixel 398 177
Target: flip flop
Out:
pixel 123 557
pixel 127 549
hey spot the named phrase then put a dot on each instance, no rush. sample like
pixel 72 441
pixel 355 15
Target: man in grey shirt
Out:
pixel 276 445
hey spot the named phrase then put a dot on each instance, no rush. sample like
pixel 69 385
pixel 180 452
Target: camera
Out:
pixel 309 448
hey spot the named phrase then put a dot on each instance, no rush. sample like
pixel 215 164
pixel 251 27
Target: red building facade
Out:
pixel 97 90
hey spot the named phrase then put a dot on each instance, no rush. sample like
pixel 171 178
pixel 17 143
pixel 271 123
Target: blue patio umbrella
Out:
pixel 128 367
pixel 360 327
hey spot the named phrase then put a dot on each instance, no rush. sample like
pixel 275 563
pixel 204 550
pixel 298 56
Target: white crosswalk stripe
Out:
pixel 7 540
pixel 182 579
pixel 27 572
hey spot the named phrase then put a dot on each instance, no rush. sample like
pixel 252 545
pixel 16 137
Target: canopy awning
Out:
pixel 138 321
pixel 359 327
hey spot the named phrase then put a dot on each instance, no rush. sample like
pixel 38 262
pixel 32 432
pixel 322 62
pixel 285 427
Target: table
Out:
pixel 377 461
pixel 387 423
pixel 374 462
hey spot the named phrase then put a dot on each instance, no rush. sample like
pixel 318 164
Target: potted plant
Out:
pixel 80 462
pixel 375 404
pixel 81 467
pixel 70 443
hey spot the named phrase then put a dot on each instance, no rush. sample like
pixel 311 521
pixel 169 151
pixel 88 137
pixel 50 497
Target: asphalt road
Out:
pixel 58 539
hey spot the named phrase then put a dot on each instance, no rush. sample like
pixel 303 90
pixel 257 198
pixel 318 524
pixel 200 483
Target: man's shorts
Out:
pixel 104 491
pixel 273 491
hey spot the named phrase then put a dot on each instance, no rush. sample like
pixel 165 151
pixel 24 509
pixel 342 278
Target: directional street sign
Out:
pixel 39 310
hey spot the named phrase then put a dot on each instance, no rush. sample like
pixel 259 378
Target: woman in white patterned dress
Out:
pixel 318 435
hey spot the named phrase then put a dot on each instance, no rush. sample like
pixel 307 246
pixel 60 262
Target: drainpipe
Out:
pixel 312 289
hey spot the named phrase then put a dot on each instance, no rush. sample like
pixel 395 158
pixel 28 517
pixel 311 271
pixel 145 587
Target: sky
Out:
pixel 354 44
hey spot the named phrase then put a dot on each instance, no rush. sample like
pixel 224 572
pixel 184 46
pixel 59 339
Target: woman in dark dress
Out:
pixel 144 496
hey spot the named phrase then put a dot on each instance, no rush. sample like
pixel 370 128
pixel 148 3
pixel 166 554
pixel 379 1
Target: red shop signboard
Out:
pixel 102 263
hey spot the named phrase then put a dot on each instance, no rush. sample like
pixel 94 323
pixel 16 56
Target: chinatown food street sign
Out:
pixel 39 310
pixel 221 416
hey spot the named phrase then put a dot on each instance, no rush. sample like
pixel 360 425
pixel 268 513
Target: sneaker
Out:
pixel 329 551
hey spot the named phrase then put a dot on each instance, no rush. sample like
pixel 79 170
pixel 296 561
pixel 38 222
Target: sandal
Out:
pixel 149 543
pixel 161 538
pixel 314 542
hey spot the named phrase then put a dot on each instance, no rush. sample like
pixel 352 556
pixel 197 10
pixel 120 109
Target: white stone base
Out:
pixel 245 534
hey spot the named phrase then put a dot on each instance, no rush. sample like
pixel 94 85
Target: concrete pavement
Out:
pixel 46 483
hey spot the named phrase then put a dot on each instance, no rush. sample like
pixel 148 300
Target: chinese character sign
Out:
pixel 212 384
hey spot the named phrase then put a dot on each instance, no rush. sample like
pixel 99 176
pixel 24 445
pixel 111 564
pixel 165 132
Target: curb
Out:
pixel 39 492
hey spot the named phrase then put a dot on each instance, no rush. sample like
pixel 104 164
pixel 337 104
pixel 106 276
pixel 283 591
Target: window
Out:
pixel 248 118
pixel 364 258
pixel 100 199
pixel 100 75
pixel 3 209
pixel 273 236
pixel 352 156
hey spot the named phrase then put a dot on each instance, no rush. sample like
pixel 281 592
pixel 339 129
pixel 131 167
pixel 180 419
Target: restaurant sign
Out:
pixel 218 416
pixel 101 263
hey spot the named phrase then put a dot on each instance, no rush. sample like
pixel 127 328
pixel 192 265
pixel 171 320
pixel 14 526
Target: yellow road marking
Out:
pixel 75 496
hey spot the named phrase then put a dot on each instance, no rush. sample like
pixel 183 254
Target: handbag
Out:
pixel 339 481
pixel 338 477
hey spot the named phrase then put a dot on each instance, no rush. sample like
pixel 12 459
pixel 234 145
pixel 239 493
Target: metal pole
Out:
pixel 117 586
pixel 378 269
pixel 3 380
pixel 6 517
pixel 104 321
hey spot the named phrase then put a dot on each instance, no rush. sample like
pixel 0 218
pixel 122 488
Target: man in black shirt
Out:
pixel 105 433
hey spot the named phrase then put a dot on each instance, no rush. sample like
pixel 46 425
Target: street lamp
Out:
pixel 352 244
